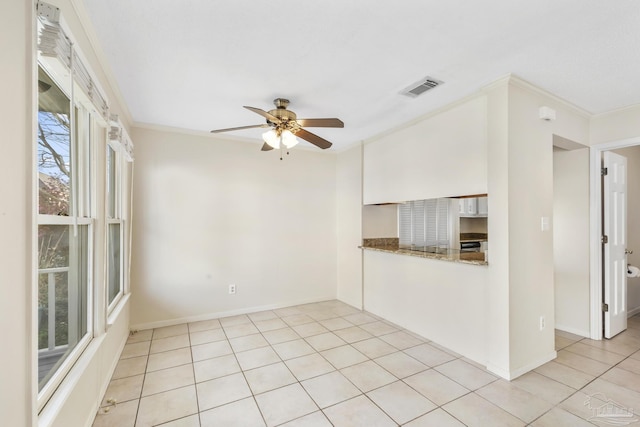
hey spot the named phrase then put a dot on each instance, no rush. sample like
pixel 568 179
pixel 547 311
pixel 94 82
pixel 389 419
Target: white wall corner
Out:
pixel 512 374
pixel 576 331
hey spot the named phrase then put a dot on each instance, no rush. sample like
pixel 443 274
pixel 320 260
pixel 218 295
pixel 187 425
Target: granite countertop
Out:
pixel 391 245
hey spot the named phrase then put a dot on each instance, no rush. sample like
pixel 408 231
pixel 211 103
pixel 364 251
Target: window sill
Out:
pixel 115 312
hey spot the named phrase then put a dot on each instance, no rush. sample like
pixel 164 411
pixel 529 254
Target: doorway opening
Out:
pixel 597 229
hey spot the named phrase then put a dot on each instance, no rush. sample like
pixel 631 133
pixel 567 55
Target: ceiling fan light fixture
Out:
pixel 289 140
pixel 286 129
pixel 271 138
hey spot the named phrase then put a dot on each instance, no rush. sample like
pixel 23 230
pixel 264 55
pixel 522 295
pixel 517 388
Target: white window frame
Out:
pixel 84 92
pixel 117 218
pixel 80 215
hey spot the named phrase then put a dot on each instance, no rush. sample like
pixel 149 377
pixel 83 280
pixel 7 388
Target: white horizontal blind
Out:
pixel 431 219
pixel 442 216
pixel 119 138
pixel 87 84
pixel 419 226
pixel 424 223
pixel 53 42
pixel 404 224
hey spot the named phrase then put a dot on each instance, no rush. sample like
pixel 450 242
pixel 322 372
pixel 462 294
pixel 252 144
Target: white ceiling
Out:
pixel 194 64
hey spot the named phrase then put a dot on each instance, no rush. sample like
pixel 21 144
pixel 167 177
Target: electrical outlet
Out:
pixel 232 289
pixel 542 323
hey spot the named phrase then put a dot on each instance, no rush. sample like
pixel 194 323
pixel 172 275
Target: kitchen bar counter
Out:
pixel 390 245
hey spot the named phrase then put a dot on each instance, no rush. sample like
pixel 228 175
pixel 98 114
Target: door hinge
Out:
pixel 604 171
pixel 605 239
pixel 605 307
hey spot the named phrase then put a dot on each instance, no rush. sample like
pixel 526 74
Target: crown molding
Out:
pixel 616 111
pixel 219 137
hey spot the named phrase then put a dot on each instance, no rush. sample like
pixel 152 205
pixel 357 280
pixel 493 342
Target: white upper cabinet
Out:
pixel 483 206
pixel 474 206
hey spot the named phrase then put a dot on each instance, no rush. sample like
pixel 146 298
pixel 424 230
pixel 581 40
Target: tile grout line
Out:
pixel 146 365
pixel 235 356
pixel 193 370
pixel 368 358
pixel 557 405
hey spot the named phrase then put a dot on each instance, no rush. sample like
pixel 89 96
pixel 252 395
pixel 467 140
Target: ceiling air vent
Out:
pixel 421 87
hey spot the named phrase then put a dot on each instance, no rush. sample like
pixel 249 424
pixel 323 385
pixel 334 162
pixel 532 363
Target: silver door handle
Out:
pixel 628 252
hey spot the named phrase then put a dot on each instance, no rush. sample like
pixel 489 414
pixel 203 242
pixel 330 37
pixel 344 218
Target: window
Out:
pixel 424 223
pixel 64 228
pixel 114 226
pixel 82 206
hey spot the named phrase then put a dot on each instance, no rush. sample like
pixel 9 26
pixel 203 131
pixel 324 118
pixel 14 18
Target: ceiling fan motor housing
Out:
pixel 287 117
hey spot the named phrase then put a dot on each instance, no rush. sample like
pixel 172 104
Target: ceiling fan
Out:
pixel 285 127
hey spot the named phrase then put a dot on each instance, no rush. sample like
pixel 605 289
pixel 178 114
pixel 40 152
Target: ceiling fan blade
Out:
pixel 270 117
pixel 313 138
pixel 266 147
pixel 321 123
pixel 265 125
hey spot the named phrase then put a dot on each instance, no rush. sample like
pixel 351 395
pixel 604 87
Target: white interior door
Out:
pixel 615 258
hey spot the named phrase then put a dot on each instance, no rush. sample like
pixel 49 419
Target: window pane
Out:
pixel 113 262
pixel 111 182
pixel 54 148
pixel 62 294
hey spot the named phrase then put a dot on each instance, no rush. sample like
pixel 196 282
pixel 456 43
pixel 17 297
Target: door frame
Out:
pixel 595 222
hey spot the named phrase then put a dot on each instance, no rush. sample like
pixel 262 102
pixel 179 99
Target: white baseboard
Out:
pixel 498 371
pixel 633 312
pixel 583 333
pixel 220 314
pixel 513 374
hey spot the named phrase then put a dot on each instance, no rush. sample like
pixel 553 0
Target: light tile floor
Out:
pixel 328 364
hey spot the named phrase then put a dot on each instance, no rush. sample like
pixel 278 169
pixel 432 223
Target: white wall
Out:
pixel 615 126
pixel 349 225
pixel 633 225
pixel 513 162
pixel 436 299
pixel 571 240
pixel 531 274
pixel 17 112
pixel 442 155
pixel 496 299
pixel 530 248
pixel 210 212
pixel 520 188
pixel 431 158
